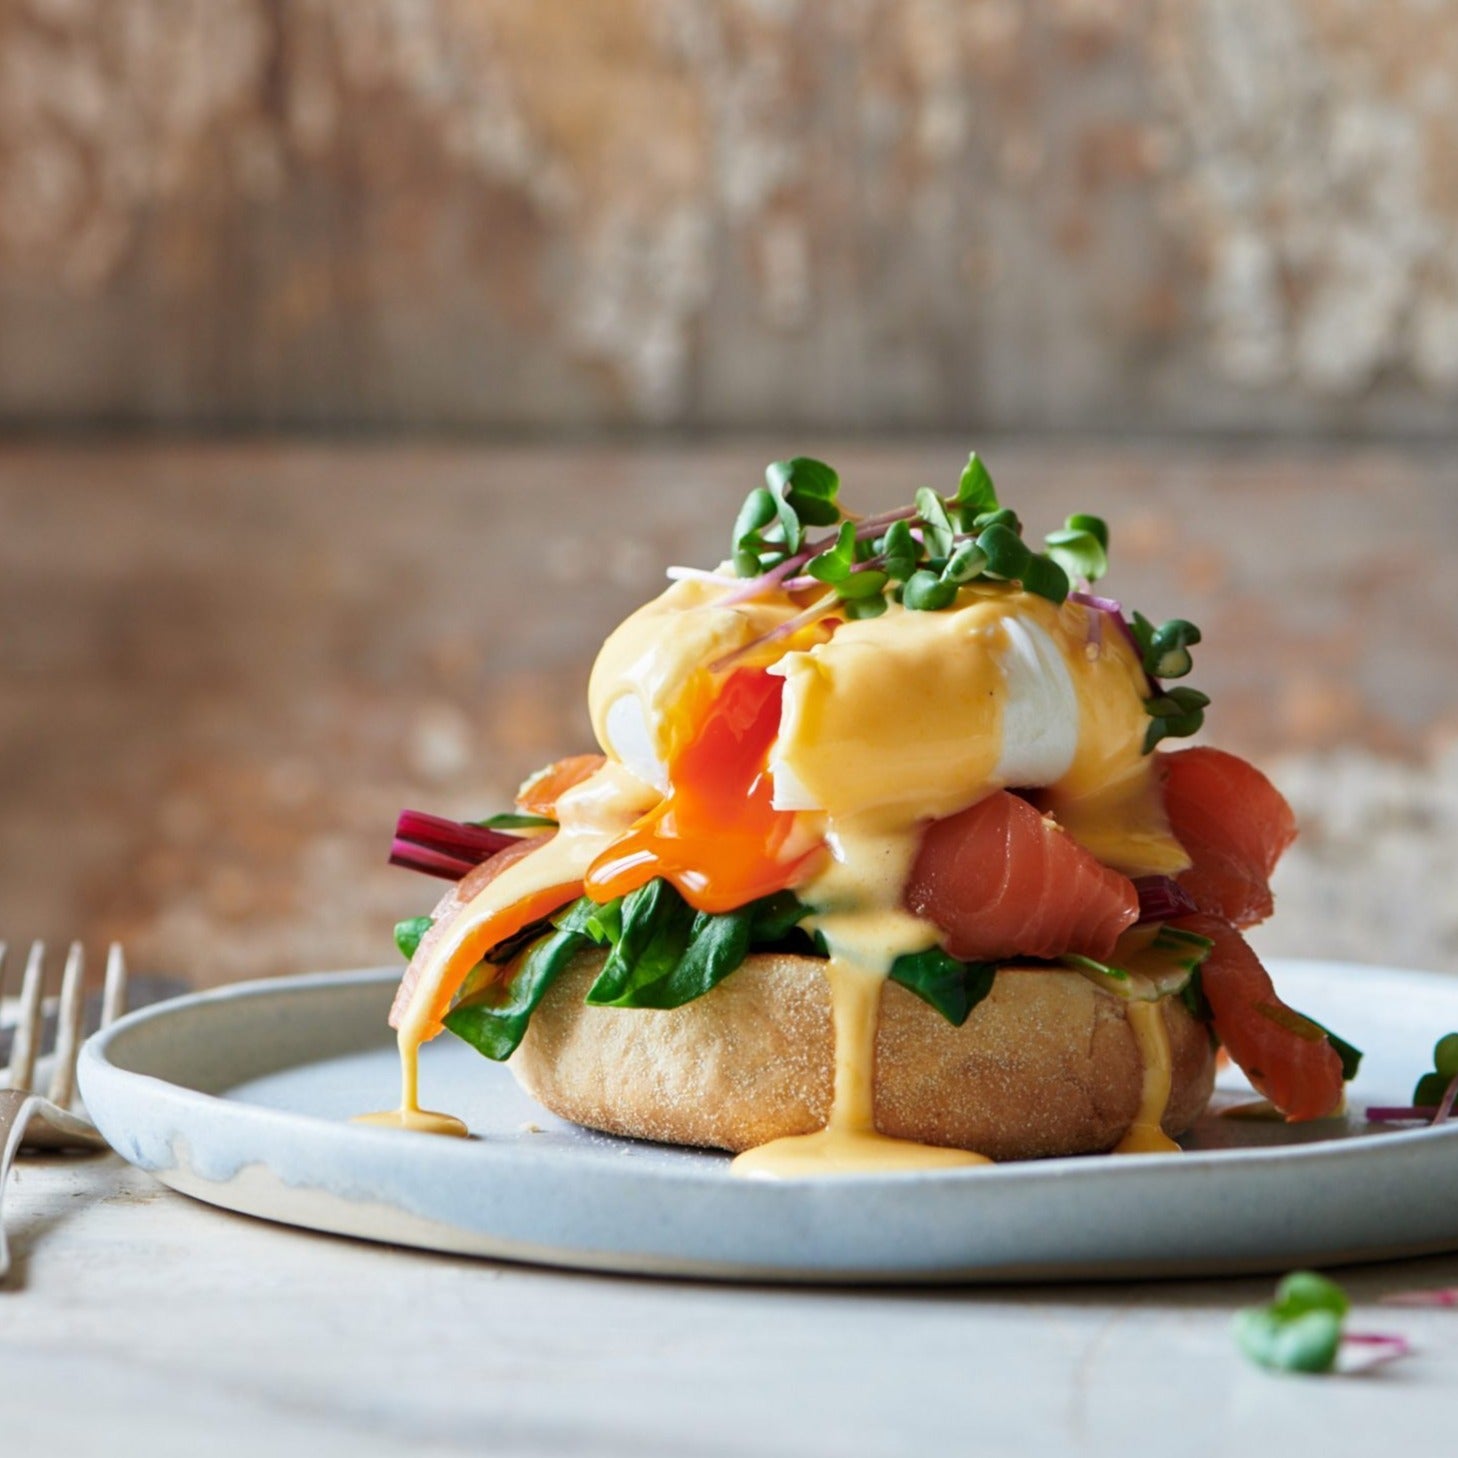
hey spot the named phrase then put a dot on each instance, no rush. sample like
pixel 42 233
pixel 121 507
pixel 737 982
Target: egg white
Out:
pixel 1040 718
pixel 629 738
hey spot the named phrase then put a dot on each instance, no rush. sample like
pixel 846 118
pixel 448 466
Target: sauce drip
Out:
pixel 410 1115
pixel 850 1143
pixel 558 862
pixel 1146 1134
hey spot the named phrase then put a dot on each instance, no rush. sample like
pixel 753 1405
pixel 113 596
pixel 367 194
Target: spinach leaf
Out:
pixel 514 820
pixel 410 933
pixel 1350 1055
pixel 776 916
pixel 494 1020
pixel 1192 994
pixel 655 930
pixel 662 954
pixel 953 988
pixel 667 954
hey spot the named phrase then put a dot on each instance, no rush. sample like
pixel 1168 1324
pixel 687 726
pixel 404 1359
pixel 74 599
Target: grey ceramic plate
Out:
pixel 240 1097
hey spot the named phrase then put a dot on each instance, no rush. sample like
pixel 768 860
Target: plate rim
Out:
pixel 95 1062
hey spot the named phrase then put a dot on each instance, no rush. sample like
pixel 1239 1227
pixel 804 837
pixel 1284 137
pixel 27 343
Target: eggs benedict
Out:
pixel 880 864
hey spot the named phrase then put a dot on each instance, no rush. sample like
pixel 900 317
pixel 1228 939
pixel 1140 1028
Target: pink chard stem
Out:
pixel 445 848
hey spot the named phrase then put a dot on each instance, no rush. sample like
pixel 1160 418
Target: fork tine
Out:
pixel 68 1027
pixel 114 997
pixel 4 953
pixel 28 1026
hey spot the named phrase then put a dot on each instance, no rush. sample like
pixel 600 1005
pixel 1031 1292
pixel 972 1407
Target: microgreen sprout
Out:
pixel 1435 1095
pixel 975 491
pixel 921 556
pixel 1432 1088
pixel 1302 1330
pixel 1165 649
pixel 1175 714
pixel 1081 549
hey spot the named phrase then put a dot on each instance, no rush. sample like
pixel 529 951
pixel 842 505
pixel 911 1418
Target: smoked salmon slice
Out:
pixel 1001 880
pixel 1286 1056
pixel 1234 824
pixel 539 795
pixel 506 922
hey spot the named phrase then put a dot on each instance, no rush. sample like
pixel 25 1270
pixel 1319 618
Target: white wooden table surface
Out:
pixel 139 1322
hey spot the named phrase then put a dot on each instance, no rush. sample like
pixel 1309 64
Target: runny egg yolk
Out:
pixel 716 836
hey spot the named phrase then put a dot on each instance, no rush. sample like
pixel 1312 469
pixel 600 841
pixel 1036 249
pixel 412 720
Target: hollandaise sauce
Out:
pixel 410 1115
pixel 1145 1134
pixel 558 861
pixel 850 1142
pixel 590 815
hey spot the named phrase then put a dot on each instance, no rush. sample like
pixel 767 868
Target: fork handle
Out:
pixel 15 1107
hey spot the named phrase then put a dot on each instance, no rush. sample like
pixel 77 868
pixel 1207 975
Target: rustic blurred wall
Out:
pixel 1173 214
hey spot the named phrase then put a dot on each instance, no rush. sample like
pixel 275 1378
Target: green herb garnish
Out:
pixel 1300 1331
pixel 1165 649
pixel 1081 549
pixel 1433 1087
pixel 918 556
pixel 1164 653
pixel 771 523
pixel 922 555
pixel 1175 714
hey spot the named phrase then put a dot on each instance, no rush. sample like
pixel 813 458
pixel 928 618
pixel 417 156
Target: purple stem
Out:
pixel 1445 1109
pixel 767 581
pixel 429 862
pixel 817 609
pixel 445 848
pixel 799 584
pixel 1417 1113
pixel 1401 1114
pixel 1390 1347
pixel 1162 898
pixel 474 843
pixel 1111 607
pixel 1437 1296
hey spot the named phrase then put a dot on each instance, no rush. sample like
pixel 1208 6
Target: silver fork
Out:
pixel 50 1122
